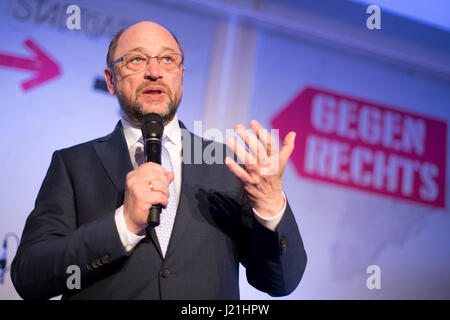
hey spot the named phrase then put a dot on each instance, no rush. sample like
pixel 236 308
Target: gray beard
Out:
pixel 133 111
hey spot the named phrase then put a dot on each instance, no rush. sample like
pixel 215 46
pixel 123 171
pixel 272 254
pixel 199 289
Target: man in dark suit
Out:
pixel 91 211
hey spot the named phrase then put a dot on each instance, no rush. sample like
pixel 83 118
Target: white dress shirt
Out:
pixel 174 147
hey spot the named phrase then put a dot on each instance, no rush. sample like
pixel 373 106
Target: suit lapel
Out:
pixel 113 153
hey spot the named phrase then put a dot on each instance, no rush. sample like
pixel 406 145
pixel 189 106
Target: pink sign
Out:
pixel 40 63
pixel 367 146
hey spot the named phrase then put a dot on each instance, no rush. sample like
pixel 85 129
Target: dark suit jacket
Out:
pixel 215 229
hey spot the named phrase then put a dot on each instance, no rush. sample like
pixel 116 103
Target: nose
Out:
pixel 153 69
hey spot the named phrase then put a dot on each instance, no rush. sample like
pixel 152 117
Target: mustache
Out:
pixel 146 84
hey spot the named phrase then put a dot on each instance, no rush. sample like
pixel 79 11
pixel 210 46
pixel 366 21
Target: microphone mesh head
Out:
pixel 152 126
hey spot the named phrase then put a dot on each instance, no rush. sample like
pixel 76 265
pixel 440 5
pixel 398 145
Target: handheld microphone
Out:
pixel 152 129
pixel 3 261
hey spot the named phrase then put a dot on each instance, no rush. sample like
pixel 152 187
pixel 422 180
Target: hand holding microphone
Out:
pixel 152 130
pixel 147 187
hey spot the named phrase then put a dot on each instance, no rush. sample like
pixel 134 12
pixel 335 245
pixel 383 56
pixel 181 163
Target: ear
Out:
pixel 182 73
pixel 109 78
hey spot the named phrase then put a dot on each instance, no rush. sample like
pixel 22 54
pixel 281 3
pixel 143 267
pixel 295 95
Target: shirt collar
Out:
pixel 133 134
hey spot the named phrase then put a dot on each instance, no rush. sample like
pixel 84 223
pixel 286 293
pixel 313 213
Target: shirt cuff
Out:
pixel 273 222
pixel 128 238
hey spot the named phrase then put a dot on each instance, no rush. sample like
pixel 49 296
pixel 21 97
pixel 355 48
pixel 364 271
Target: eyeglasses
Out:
pixel 136 62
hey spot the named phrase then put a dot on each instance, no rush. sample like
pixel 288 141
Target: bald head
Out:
pixel 139 31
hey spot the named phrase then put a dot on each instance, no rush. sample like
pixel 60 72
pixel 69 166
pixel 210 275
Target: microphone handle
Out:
pixel 153 153
pixel 153 217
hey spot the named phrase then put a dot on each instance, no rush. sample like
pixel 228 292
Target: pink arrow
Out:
pixel 45 68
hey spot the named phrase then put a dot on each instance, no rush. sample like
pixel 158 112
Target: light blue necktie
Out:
pixel 167 218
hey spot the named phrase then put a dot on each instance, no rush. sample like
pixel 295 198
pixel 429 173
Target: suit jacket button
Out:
pixel 165 273
pixel 105 259
pixel 99 262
